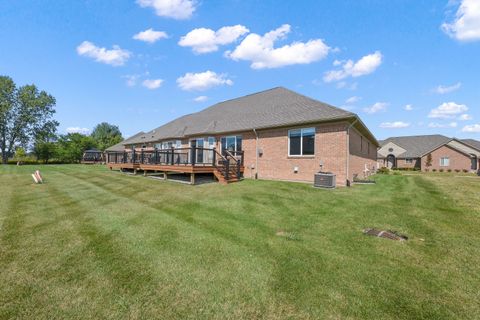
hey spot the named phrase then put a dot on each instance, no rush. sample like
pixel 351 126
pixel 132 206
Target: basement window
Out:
pixel 301 142
pixel 444 162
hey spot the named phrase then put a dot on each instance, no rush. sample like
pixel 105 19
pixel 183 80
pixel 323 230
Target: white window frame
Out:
pixel 442 162
pixel 236 142
pixel 409 160
pixel 301 142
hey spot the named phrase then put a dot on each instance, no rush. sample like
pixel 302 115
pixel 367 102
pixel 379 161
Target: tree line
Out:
pixel 27 127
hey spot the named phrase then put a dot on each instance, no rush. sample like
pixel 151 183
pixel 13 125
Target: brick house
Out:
pixel 413 151
pixel 274 134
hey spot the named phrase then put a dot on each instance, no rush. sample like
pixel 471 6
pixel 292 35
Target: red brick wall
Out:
pixel 363 154
pixel 274 163
pixel 458 160
pixel 402 163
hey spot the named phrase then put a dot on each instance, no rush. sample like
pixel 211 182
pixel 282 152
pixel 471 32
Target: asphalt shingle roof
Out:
pixel 417 146
pixel 472 143
pixel 267 109
pixel 119 147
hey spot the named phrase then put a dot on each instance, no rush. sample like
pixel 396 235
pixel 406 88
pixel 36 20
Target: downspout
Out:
pixel 256 153
pixel 348 150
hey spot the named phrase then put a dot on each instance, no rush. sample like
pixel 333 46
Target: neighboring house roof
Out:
pixel 417 146
pixel 472 143
pixel 272 108
pixel 121 146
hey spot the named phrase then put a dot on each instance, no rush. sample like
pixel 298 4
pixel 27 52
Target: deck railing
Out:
pixel 175 157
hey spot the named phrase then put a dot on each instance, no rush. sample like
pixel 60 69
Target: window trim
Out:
pixel 442 164
pixel 301 155
pixel 236 136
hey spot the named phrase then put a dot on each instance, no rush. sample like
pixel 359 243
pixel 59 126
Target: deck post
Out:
pixel 194 155
pixel 227 169
pixel 124 157
pixel 214 157
pixel 142 157
pixel 172 161
pixel 133 156
pixel 192 178
pixel 238 169
pixel 165 175
pixel 156 156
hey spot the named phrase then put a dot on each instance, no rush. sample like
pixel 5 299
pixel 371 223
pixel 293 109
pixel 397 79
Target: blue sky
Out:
pixel 374 58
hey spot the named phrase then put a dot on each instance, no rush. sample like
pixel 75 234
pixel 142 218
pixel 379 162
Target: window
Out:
pixel 231 143
pixel 178 143
pixel 409 160
pixel 444 162
pixel 301 142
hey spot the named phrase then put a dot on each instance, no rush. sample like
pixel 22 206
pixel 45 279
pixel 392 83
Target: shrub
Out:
pixel 434 170
pixel 465 170
pixel 449 170
pixel 441 170
pixel 457 170
pixel 383 170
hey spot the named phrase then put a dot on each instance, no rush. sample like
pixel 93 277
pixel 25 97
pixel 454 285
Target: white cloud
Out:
pixel 395 125
pixel 376 107
pixel 408 107
pixel 473 128
pixel 447 110
pixel 204 40
pixel 465 117
pixel 447 89
pixel 152 84
pixel 352 100
pixel 262 54
pixel 200 99
pixel 80 130
pixel 466 25
pixel 150 35
pixel 114 57
pixel 364 66
pixel 176 9
pixel 202 81
pixel 442 125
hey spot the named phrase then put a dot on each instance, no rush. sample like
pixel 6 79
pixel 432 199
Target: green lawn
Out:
pixel 96 244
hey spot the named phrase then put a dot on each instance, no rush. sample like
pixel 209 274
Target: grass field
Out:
pixel 95 244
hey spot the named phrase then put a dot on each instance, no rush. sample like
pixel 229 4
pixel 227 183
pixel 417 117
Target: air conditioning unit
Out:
pixel 324 180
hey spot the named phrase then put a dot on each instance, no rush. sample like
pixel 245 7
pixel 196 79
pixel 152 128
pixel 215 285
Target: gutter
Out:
pixel 347 165
pixel 256 153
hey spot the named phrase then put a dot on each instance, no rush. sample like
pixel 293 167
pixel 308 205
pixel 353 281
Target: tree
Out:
pixel 72 146
pixel 45 146
pixel 106 135
pixel 20 155
pixel 24 114
pixel 428 161
pixel 45 150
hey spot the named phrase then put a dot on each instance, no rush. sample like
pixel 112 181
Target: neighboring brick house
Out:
pixel 281 135
pixel 413 151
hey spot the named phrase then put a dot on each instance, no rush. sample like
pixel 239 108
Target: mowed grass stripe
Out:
pixel 98 244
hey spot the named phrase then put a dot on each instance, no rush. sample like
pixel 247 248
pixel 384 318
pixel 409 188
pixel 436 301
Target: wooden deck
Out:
pixel 225 168
pixel 163 168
